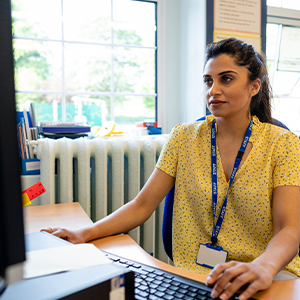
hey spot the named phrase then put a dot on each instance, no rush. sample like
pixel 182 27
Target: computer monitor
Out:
pixel 12 244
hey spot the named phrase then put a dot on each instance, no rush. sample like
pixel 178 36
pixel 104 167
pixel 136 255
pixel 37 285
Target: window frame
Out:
pixel 112 94
pixel 283 17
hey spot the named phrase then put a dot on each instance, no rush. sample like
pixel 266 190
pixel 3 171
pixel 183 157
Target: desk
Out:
pixel 72 215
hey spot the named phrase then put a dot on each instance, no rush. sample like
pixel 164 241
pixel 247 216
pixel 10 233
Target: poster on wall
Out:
pixel 238 18
pixel 238 15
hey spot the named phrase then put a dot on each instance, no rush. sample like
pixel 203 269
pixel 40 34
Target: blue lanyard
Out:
pixel 217 226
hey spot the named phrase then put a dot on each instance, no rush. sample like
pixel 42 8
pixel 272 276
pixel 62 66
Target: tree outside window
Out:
pixel 91 61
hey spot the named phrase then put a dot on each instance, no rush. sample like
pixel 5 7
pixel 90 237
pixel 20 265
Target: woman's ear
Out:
pixel 255 86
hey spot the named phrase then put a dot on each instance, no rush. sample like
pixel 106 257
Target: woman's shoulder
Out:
pixel 194 126
pixel 280 135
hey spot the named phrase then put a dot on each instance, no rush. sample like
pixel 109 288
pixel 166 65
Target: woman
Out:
pixel 258 223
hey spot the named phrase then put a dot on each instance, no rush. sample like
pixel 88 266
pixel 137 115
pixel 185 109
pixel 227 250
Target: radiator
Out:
pixel 102 174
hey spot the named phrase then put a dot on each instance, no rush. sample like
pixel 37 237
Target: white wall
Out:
pixel 181 46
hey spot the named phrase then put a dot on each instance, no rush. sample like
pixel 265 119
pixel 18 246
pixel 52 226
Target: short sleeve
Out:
pixel 168 158
pixel 287 160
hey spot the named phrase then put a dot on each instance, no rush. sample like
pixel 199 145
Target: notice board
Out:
pixel 243 19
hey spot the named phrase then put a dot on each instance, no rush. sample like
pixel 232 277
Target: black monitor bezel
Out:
pixel 12 244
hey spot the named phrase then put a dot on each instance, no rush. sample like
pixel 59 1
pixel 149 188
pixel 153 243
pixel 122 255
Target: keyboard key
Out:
pixel 139 271
pixel 143 288
pixel 138 279
pixel 149 279
pixel 179 295
pixel 147 269
pixel 158 282
pixel 167 285
pixel 176 283
pixel 153 297
pixel 137 297
pixel 203 293
pixel 182 291
pixel 191 294
pixel 187 298
pixel 153 285
pixel 170 292
pixel 193 289
pixel 159 278
pixel 167 280
pixel 169 276
pixel 141 293
pixel 161 289
pixel 158 272
pixel 174 288
pixel 183 286
pixel 159 294
pixel 168 297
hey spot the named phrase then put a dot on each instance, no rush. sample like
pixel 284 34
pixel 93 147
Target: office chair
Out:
pixel 168 209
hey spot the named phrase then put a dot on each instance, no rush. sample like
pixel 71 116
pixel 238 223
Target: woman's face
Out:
pixel 227 88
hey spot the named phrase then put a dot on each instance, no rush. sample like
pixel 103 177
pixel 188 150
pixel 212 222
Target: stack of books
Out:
pixel 63 129
pixel 27 131
pixel 150 126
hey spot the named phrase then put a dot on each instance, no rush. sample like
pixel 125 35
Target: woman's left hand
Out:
pixel 229 277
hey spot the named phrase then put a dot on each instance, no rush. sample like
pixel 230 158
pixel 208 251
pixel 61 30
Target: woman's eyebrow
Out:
pixel 225 72
pixel 222 73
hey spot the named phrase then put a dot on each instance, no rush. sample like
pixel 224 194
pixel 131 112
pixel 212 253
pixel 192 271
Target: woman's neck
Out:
pixel 232 128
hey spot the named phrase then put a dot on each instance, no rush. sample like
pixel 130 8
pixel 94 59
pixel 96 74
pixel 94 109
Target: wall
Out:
pixel 181 46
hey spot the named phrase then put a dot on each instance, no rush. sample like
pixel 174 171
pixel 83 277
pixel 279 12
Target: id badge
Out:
pixel 209 255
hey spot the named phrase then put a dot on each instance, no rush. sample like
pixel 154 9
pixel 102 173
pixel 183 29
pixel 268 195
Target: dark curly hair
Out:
pixel 245 55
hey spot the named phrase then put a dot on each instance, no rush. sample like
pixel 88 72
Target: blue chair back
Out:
pixel 168 209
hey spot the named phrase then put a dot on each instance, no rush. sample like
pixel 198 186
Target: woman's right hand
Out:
pixel 72 236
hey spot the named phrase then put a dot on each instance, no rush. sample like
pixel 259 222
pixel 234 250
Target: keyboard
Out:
pixel 153 283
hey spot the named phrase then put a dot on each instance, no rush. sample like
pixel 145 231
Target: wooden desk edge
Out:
pixel 72 215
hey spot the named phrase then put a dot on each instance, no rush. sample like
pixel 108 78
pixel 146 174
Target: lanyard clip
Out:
pixel 214 241
pixel 240 155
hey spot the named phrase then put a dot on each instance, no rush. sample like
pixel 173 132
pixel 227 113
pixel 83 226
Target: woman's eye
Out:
pixel 207 81
pixel 226 79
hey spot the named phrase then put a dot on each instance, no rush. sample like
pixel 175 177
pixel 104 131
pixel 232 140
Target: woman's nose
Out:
pixel 214 89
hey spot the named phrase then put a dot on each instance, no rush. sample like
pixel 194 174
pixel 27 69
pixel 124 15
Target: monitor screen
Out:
pixel 12 245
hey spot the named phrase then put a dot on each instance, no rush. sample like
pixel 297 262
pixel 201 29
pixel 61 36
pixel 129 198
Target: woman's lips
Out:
pixel 215 103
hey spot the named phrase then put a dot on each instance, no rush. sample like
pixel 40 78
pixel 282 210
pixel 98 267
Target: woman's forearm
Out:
pixel 282 248
pixel 135 212
pixel 122 220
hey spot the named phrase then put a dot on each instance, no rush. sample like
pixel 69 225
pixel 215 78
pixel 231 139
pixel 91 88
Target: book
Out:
pixel 28 133
pixel 146 124
pixel 32 115
pixel 63 127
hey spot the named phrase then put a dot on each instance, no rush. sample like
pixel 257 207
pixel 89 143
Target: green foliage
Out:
pixel 127 37
pixel 149 102
pixel 25 58
pixel 34 60
pixel 34 56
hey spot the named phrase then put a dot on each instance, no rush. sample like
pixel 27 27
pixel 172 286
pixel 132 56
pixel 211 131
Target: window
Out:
pixel 283 42
pixel 90 60
pixel 292 4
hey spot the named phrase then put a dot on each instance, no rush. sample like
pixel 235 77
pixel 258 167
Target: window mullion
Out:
pixel 63 101
pixel 112 79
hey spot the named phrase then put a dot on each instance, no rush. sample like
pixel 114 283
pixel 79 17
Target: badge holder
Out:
pixel 210 255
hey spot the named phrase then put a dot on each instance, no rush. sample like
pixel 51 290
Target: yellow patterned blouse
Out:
pixel 247 228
